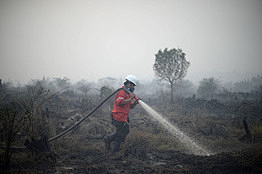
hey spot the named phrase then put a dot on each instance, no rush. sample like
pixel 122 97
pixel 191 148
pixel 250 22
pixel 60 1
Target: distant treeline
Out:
pixel 207 87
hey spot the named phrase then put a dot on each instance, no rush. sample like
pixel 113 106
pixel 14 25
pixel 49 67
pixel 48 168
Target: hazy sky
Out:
pixel 91 39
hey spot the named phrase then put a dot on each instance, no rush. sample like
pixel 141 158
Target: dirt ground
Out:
pixel 149 148
pixel 135 159
pixel 142 152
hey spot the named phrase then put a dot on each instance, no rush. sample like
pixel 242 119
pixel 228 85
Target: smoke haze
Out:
pixel 91 39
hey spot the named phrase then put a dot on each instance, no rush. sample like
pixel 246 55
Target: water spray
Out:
pixel 190 145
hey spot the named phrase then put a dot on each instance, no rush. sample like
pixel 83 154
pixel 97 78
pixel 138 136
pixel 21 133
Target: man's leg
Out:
pixel 122 130
pixel 120 136
pixel 116 136
pixel 109 138
pixel 116 146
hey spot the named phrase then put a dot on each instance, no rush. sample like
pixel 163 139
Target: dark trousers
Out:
pixel 122 130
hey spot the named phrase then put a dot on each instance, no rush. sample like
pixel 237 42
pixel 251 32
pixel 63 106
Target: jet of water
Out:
pixel 191 145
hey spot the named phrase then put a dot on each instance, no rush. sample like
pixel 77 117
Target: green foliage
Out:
pixel 208 87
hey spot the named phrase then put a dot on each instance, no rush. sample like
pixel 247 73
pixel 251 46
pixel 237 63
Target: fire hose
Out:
pixel 84 118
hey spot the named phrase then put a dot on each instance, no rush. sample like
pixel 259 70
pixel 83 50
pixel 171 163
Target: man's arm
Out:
pixel 132 95
pixel 120 99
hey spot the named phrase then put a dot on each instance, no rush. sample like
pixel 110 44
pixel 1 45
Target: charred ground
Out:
pixel 215 124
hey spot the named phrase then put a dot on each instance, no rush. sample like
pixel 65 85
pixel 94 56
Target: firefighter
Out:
pixel 122 105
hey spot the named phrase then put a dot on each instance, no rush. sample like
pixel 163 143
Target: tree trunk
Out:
pixel 172 96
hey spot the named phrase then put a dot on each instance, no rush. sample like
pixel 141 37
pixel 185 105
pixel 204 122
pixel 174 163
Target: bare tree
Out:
pixel 23 113
pixel 11 121
pixel 171 65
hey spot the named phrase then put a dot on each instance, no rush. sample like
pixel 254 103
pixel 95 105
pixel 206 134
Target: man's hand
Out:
pixel 137 98
pixel 134 104
pixel 132 95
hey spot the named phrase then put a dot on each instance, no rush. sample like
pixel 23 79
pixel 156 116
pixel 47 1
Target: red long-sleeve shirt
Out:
pixel 121 109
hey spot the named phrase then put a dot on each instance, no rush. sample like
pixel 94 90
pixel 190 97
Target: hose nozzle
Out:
pixel 137 98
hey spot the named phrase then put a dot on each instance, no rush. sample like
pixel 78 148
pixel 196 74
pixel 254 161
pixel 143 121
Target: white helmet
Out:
pixel 131 78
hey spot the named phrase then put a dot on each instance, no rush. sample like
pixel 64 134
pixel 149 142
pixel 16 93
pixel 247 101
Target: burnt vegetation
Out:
pixel 223 118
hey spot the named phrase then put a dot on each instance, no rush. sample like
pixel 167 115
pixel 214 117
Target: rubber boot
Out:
pixel 116 147
pixel 107 140
pixel 116 155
